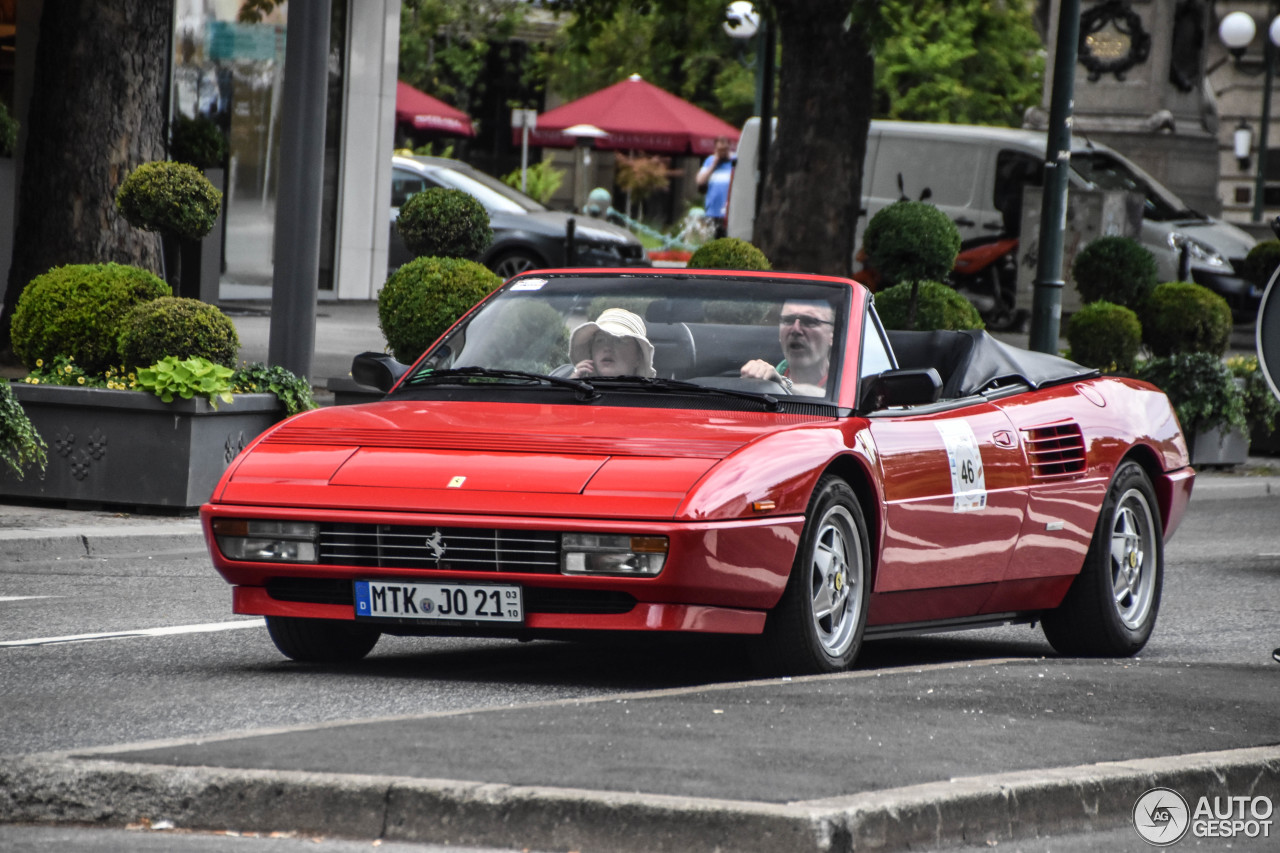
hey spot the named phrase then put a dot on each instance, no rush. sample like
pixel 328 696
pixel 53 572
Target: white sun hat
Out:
pixel 620 323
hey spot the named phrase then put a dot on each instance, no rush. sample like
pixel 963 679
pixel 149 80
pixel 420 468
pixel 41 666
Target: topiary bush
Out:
pixel 172 326
pixel 1261 262
pixel 425 297
pixel 729 253
pixel 172 198
pixel 444 223
pixel 1183 317
pixel 8 132
pixel 1116 270
pixel 198 142
pixel 937 307
pixel 76 310
pixel 1106 336
pixel 911 241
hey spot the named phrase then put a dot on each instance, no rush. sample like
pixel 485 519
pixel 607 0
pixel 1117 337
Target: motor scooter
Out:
pixel 986 273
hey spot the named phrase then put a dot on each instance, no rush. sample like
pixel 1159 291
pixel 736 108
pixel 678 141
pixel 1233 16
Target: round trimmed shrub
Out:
pixel 1181 317
pixel 172 198
pixel 1106 336
pixel 444 223
pixel 911 241
pixel 198 141
pixel 729 253
pixel 937 307
pixel 1116 270
pixel 76 311
pixel 425 297
pixel 1261 262
pixel 185 328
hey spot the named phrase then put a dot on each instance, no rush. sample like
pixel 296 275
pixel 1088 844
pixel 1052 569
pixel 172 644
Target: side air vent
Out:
pixel 1056 452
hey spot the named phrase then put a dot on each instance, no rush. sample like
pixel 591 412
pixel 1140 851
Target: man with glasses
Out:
pixel 805 330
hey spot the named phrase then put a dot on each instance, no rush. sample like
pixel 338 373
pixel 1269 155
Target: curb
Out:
pixel 62 543
pixel 60 789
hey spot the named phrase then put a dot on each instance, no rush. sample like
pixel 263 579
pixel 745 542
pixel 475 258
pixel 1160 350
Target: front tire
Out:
pixel 321 640
pixel 818 624
pixel 1111 607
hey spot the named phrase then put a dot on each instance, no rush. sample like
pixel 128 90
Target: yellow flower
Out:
pixel 39 362
pixel 80 380
pixel 66 369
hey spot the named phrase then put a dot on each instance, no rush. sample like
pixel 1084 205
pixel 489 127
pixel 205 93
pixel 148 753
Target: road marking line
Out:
pixel 26 597
pixel 140 632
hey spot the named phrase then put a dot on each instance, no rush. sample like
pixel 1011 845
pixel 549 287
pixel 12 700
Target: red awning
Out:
pixel 423 112
pixel 636 115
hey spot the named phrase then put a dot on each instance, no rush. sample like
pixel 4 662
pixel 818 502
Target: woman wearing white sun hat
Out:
pixel 614 345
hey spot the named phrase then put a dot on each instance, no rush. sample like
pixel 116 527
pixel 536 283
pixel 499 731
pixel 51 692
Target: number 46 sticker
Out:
pixel 968 482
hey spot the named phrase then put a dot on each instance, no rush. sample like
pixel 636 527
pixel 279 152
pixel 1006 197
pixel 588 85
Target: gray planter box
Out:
pixel 129 447
pixel 1213 447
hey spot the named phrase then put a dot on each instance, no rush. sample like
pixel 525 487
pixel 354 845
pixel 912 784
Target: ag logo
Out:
pixel 1161 817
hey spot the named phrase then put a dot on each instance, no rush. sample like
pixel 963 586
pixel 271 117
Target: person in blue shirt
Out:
pixel 713 179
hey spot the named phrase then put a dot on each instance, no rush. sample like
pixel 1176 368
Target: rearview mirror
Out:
pixel 901 388
pixel 377 370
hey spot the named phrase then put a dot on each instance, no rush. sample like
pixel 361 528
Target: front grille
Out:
pixel 471 549
pixel 1055 452
pixel 536 600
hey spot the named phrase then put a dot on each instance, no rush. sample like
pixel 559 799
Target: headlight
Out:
pixel 605 554
pixel 1200 253
pixel 267 541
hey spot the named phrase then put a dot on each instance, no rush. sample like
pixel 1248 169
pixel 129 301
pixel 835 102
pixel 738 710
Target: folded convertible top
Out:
pixel 972 361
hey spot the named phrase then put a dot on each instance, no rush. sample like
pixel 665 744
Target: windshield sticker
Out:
pixel 968 480
pixel 529 284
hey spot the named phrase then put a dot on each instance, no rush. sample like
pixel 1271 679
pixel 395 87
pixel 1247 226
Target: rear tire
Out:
pixel 818 624
pixel 321 640
pixel 1111 607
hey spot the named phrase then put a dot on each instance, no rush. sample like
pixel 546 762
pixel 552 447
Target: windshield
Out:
pixel 1103 171
pixel 641 331
pixel 496 196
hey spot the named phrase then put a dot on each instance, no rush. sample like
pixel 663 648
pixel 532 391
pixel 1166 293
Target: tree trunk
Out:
pixel 813 190
pixel 97 112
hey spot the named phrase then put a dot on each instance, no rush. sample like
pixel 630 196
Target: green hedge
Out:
pixel 937 307
pixel 729 253
pixel 1116 270
pixel 172 198
pixel 1106 336
pixel 1181 317
pixel 444 223
pixel 185 328
pixel 425 297
pixel 911 241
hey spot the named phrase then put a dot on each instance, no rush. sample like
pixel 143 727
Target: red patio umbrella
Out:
pixel 636 115
pixel 423 112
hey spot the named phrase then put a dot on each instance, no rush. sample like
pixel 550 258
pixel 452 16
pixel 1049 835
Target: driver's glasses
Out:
pixel 804 320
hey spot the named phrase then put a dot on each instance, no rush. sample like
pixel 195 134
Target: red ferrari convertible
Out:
pixel 726 452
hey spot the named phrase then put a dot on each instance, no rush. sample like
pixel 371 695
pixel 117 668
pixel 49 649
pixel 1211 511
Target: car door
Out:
pixel 954 497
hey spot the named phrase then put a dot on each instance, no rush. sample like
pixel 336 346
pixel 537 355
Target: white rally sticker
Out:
pixel 968 480
pixel 529 284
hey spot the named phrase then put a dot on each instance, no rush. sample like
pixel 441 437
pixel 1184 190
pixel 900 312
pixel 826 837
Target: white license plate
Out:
pixel 439 602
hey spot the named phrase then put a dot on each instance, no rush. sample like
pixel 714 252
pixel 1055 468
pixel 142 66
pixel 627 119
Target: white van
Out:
pixel 975 175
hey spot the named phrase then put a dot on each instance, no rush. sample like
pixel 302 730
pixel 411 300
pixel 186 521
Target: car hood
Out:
pixel 554 222
pixel 519 459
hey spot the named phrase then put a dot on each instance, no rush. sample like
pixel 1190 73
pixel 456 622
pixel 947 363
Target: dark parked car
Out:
pixel 526 235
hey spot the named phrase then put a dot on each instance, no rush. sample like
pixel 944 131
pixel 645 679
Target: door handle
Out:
pixel 993 226
pixel 1003 438
pixel 964 223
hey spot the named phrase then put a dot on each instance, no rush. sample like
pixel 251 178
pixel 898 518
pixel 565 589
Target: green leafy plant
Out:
pixel 937 307
pixel 1181 317
pixel 911 241
pixel 1115 269
pixel 197 141
pixel 541 180
pixel 729 253
pixel 21 446
pixel 62 370
pixel 444 223
pixel 293 391
pixel 170 378
pixel 184 328
pixel 1261 408
pixel 172 198
pixel 76 310
pixel 1105 336
pixel 425 297
pixel 1261 262
pixel 1201 388
pixel 8 132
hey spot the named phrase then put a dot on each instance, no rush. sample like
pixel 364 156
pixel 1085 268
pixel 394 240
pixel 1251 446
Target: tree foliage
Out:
pixel 961 61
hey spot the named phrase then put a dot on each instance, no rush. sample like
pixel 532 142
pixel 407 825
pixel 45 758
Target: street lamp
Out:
pixel 584 136
pixel 742 21
pixel 1236 32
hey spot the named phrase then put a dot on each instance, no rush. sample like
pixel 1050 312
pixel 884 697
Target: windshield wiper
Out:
pixel 586 392
pixel 771 402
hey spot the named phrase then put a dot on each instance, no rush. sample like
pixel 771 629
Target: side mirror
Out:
pixel 377 370
pixel 901 388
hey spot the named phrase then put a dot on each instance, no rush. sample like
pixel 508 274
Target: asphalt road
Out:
pixel 217 674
